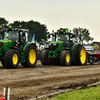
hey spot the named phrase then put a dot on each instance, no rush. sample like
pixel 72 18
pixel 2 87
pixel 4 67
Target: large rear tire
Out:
pixel 31 57
pixel 65 58
pixel 81 55
pixel 11 59
pixel 44 57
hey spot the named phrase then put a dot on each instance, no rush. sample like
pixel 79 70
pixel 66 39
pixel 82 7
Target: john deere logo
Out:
pixel 96 47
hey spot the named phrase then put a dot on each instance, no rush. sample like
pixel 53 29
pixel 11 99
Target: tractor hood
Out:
pixel 5 41
pixel 55 42
pixel 5 45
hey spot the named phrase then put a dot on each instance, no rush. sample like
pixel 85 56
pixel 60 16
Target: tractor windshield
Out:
pixel 62 37
pixel 11 35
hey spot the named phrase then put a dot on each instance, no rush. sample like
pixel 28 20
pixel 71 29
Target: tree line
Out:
pixel 41 31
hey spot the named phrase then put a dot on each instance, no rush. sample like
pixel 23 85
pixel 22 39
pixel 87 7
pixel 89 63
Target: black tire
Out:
pixel 30 57
pixel 44 57
pixel 91 60
pixel 11 59
pixel 81 56
pixel 65 58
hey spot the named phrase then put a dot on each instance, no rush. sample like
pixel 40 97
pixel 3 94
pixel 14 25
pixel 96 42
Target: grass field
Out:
pixel 84 94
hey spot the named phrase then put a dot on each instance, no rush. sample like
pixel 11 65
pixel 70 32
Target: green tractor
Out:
pixel 63 50
pixel 15 48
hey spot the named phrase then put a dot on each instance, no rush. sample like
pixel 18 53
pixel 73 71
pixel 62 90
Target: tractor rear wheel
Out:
pixel 81 56
pixel 11 58
pixel 44 57
pixel 65 58
pixel 31 57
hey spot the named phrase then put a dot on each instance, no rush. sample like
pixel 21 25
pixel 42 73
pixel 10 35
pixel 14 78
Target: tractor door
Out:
pixel 23 37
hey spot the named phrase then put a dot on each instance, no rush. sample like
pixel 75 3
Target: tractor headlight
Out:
pixel 54 44
pixel 49 44
pixel 46 46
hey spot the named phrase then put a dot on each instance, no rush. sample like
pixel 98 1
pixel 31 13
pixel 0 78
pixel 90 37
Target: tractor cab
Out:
pixel 17 36
pixel 63 36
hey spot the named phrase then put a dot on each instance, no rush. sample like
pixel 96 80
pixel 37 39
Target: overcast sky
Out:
pixel 55 13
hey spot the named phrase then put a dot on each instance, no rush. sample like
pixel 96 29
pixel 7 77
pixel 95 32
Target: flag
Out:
pixel 33 39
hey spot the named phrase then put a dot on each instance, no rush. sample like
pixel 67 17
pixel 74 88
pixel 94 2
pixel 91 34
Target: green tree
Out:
pixel 34 27
pixel 3 22
pixel 82 35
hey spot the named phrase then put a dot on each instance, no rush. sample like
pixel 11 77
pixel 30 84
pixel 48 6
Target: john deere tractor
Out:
pixel 15 48
pixel 63 50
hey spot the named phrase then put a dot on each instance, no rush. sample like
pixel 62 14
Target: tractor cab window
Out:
pixel 72 39
pixel 11 35
pixel 62 37
pixel 24 37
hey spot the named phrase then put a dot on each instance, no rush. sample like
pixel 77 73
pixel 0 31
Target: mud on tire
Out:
pixel 11 59
pixel 30 57
pixel 65 58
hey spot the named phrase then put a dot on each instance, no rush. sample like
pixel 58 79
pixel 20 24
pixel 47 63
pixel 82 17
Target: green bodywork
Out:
pixel 55 53
pixel 6 44
pixel 55 47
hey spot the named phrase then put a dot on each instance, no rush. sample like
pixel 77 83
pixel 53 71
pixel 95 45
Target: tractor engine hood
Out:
pixel 55 42
pixel 5 44
pixel 56 45
pixel 55 48
pixel 5 41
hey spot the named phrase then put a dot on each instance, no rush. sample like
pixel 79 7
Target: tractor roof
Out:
pixel 67 33
pixel 16 29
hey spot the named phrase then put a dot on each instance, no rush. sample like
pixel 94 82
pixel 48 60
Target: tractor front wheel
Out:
pixel 11 59
pixel 65 58
pixel 31 57
pixel 81 56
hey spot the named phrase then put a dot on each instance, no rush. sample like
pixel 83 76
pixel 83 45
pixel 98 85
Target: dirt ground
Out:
pixel 28 83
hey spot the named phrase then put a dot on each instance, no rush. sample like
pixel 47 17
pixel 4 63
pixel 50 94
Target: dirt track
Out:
pixel 28 83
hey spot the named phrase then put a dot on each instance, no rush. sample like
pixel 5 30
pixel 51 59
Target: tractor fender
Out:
pixel 27 46
pixel 66 48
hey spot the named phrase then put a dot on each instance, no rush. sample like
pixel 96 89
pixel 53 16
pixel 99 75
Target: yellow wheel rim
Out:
pixel 83 56
pixel 32 56
pixel 15 59
pixel 67 58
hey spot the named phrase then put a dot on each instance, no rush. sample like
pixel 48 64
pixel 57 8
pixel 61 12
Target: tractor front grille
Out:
pixel 53 46
pixel 1 45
